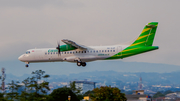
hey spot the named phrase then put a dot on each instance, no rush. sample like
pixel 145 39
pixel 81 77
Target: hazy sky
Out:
pixel 26 24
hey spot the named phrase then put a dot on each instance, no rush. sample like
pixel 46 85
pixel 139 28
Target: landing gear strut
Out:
pixel 79 63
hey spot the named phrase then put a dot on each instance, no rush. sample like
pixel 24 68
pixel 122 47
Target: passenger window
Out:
pixel 64 52
pixel 99 50
pixel 54 53
pixel 48 53
pixel 79 51
pixel 73 52
pixel 67 52
pixel 94 51
pixel 45 53
pixel 113 50
pixel 107 50
pixel 102 50
pixel 84 51
pixel 51 52
pixel 70 52
pixel 76 51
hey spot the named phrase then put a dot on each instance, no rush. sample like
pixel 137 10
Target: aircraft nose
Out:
pixel 21 58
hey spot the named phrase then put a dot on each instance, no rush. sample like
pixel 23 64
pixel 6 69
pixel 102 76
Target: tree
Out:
pixel 38 85
pixel 61 94
pixel 158 94
pixel 25 93
pixel 88 93
pixel 13 88
pixel 74 88
pixel 107 94
pixel 2 97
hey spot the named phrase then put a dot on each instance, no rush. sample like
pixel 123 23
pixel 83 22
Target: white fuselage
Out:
pixel 51 54
pixel 73 52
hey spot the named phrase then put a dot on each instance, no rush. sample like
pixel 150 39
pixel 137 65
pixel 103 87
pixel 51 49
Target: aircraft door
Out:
pixel 119 49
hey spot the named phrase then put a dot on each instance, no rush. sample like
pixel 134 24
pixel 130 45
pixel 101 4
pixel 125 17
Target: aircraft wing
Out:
pixel 69 42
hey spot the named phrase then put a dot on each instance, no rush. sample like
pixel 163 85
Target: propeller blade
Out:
pixel 58 48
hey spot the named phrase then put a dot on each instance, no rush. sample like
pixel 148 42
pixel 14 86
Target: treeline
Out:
pixel 35 88
pixel 162 94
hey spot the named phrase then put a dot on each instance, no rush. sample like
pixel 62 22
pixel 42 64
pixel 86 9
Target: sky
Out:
pixel 27 24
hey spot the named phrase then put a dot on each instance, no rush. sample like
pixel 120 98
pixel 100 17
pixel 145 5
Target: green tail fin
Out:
pixel 146 37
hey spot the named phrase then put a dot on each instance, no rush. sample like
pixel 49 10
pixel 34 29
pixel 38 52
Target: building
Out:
pixel 86 98
pixel 85 85
pixel 138 95
pixel 169 97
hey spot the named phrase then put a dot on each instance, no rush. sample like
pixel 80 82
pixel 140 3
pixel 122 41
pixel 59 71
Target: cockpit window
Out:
pixel 28 52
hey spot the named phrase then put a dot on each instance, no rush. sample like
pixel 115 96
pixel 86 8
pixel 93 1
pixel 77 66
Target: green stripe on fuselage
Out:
pixel 142 44
pixel 133 50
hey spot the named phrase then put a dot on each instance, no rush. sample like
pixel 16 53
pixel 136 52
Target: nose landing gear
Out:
pixel 27 64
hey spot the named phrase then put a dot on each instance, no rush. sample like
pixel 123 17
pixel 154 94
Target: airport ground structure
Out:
pixel 85 85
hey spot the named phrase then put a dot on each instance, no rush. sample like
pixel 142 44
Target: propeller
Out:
pixel 58 48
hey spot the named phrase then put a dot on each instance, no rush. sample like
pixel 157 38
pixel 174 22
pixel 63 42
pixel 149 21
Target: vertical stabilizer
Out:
pixel 146 37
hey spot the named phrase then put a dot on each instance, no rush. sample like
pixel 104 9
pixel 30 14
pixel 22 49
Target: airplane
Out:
pixel 80 54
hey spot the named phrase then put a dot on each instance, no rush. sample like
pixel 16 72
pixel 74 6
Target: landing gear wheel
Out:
pixel 83 64
pixel 79 63
pixel 27 65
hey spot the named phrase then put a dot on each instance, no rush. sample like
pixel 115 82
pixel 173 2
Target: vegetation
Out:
pixel 13 88
pixel 61 94
pixel 107 94
pixel 35 88
pixel 88 93
pixel 74 88
pixel 162 94
pixel 39 86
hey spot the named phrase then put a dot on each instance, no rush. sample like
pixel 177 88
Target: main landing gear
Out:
pixel 79 63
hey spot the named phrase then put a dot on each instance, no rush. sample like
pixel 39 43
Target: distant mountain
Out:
pixel 108 77
pixel 63 68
